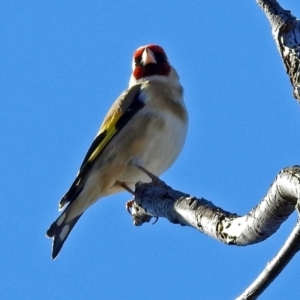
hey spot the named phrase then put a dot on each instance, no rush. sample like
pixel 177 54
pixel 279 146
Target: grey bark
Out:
pixel 286 34
pixel 274 267
pixel 156 199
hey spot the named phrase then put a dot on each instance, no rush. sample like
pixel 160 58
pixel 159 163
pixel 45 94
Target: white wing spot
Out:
pixel 61 219
pixel 64 232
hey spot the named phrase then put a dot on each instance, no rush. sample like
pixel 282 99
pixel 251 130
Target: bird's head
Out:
pixel 149 60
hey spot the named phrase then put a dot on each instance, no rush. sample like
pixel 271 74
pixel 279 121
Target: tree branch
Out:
pixel 156 199
pixel 286 33
pixel 274 267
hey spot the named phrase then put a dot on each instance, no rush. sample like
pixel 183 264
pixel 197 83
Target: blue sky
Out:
pixel 63 63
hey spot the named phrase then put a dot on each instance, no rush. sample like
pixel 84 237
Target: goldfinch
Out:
pixel 145 129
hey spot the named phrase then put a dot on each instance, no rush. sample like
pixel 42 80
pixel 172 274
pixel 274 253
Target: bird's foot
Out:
pixel 129 205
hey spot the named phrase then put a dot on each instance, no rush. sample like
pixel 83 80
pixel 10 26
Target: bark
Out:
pixel 274 267
pixel 156 199
pixel 286 33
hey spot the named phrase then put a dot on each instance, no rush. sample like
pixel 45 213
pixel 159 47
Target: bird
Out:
pixel 143 132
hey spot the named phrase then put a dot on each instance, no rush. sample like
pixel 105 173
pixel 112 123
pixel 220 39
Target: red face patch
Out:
pixel 161 67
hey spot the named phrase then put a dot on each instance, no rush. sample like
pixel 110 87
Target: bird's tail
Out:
pixel 60 230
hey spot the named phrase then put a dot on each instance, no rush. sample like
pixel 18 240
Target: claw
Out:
pixel 156 219
pixel 129 205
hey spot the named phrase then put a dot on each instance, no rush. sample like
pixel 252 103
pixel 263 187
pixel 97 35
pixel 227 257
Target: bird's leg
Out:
pixel 125 187
pixel 128 189
pixel 152 176
pixel 137 164
pixel 154 179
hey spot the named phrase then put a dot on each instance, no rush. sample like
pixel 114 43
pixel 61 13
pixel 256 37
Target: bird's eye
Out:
pixel 137 60
pixel 160 57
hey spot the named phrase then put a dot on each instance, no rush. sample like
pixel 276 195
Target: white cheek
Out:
pixel 132 81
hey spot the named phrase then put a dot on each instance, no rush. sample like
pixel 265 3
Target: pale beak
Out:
pixel 148 57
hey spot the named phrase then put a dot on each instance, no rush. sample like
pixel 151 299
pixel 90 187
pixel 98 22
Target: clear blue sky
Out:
pixel 62 64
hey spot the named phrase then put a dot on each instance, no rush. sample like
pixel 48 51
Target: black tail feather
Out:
pixel 60 233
